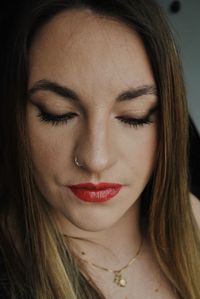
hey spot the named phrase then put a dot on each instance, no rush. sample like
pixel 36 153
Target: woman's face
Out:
pixel 99 60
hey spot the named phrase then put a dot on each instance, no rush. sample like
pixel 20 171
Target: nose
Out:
pixel 95 147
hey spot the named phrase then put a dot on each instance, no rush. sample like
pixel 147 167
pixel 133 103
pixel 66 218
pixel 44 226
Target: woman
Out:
pixel 94 174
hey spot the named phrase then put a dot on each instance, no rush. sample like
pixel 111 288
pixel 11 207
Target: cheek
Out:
pixel 43 148
pixel 47 148
pixel 143 151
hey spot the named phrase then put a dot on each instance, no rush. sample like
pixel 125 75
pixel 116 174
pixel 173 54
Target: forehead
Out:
pixel 86 50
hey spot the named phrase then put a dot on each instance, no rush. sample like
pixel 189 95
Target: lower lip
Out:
pixel 94 195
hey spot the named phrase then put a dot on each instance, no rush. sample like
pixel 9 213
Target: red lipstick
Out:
pixel 95 192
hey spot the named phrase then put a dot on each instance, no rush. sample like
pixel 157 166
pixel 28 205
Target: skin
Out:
pixel 98 58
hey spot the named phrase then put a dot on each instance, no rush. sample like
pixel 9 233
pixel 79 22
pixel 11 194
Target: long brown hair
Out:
pixel 50 269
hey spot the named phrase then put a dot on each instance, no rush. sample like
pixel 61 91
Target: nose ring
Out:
pixel 77 163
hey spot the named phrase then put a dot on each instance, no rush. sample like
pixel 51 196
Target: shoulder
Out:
pixel 195 203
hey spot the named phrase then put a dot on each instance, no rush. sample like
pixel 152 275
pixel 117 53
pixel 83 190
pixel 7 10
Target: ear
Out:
pixel 195 203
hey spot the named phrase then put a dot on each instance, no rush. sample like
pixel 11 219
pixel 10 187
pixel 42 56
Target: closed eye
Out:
pixel 136 122
pixel 61 119
pixel 140 122
pixel 55 119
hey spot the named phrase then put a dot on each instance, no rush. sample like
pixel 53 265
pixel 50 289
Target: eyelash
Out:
pixel 56 120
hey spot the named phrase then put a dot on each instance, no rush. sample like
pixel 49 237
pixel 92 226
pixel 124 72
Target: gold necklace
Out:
pixel 118 278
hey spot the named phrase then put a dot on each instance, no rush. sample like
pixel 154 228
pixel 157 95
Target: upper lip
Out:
pixel 99 186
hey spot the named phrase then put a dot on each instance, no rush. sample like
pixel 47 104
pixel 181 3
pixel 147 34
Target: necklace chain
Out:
pixel 118 279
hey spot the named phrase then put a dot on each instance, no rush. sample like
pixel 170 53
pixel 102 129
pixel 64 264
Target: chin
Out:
pixel 90 224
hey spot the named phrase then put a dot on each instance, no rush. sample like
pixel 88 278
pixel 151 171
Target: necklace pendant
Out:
pixel 119 280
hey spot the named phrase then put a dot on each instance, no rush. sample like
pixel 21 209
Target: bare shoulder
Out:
pixel 195 203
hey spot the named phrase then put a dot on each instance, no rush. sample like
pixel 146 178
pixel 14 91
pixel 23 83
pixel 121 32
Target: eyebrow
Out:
pixel 72 96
